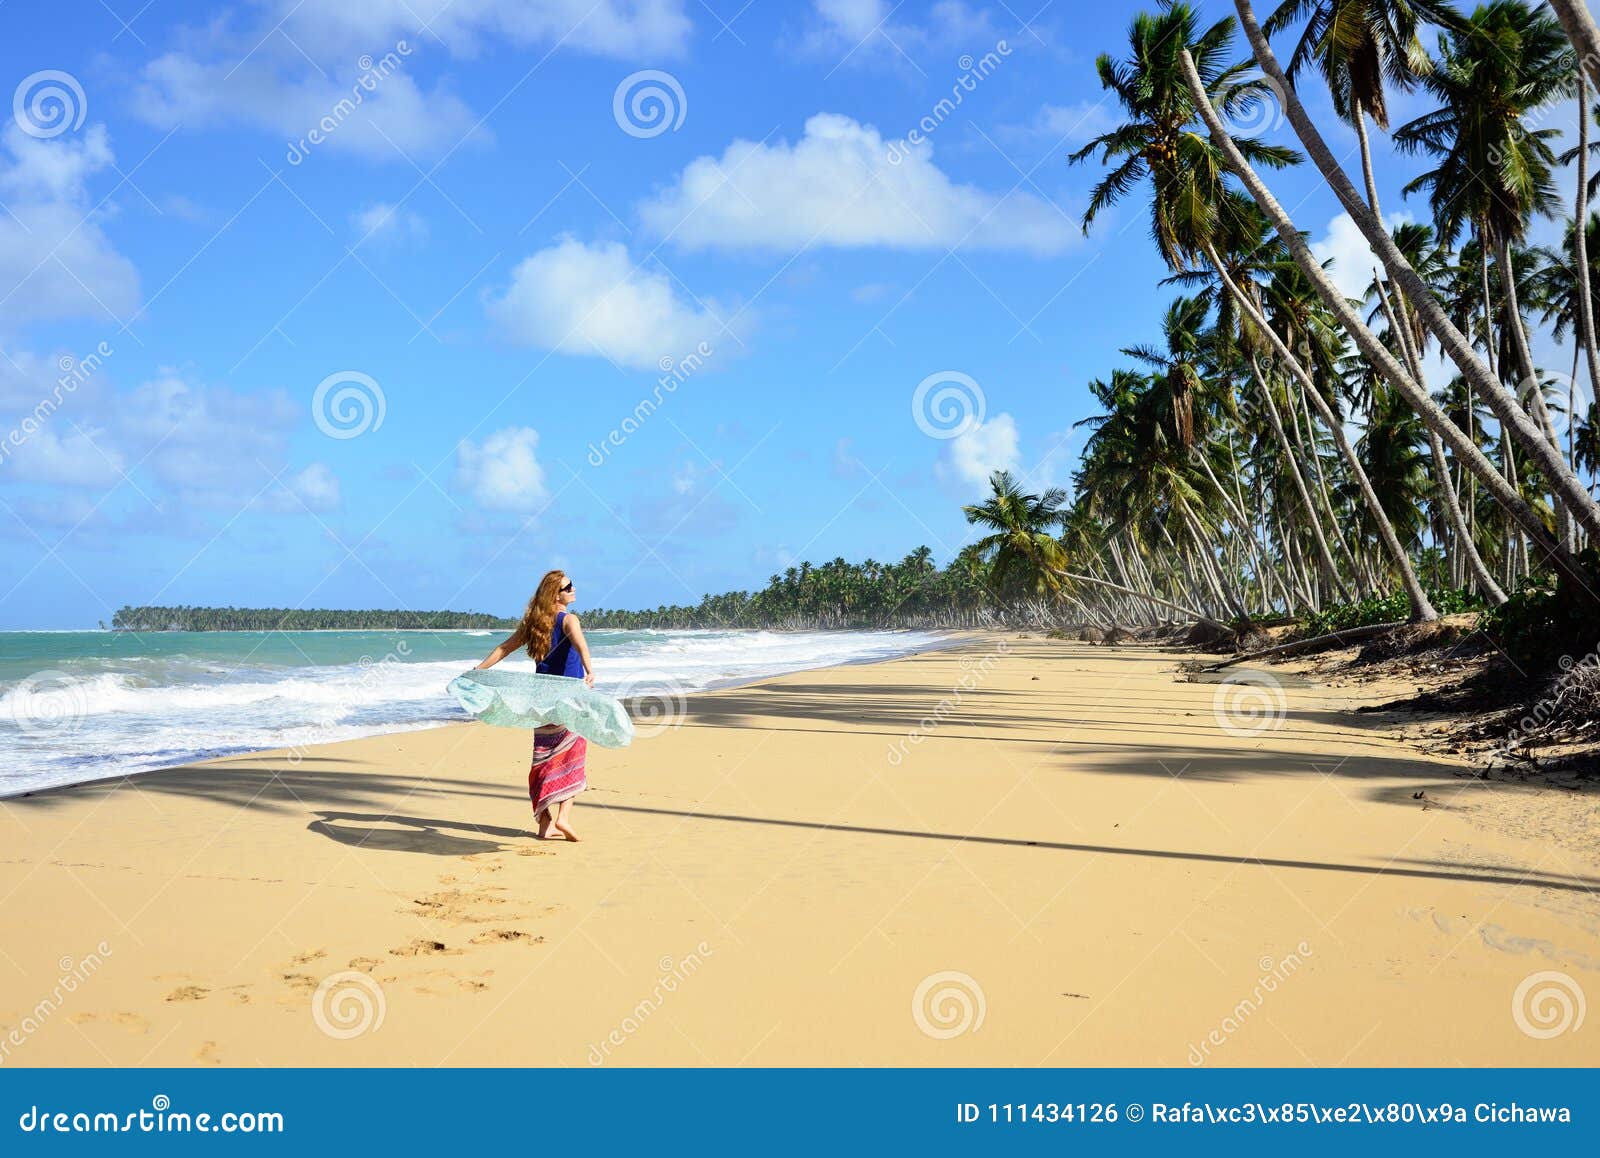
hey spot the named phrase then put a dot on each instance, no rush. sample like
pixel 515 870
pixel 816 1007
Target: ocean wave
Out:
pixel 116 714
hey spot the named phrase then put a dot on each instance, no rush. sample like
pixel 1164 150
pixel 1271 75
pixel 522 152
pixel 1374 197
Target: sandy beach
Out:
pixel 1015 852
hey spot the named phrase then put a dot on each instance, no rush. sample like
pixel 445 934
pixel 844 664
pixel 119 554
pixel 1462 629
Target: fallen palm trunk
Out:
pixel 1348 635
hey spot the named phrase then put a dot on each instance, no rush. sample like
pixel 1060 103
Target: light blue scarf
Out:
pixel 515 699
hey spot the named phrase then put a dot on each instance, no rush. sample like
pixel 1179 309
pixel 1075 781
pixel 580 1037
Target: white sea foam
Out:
pixel 108 716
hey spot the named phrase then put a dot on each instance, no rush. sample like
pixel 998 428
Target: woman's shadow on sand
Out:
pixel 386 832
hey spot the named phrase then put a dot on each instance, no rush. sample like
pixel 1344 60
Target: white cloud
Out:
pixel 987 447
pixel 209 443
pixel 504 473
pixel 333 29
pixel 385 222
pixel 870 32
pixel 317 487
pixel 583 299
pixel 1056 125
pixel 837 186
pixel 58 454
pixel 1353 259
pixel 55 261
pixel 206 446
pixel 393 120
pixel 304 60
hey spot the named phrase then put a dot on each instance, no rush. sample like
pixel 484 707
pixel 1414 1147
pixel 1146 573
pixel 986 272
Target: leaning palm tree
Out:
pixel 1494 172
pixel 1432 312
pixel 1158 143
pixel 1192 209
pixel 1360 46
pixel 1020 543
pixel 1021 546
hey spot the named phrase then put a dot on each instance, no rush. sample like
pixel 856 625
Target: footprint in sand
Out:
pixel 207 1054
pixel 308 957
pixel 188 993
pixel 365 964
pixel 422 948
pixel 437 982
pixel 131 1022
pixel 506 936
pixel 299 981
pixel 534 852
pixel 457 906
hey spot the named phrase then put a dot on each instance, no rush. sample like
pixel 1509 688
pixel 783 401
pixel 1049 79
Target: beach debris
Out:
pixel 1419 794
pixel 1091 635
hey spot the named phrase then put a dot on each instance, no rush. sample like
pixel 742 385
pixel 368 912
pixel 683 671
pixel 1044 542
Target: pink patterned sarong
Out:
pixel 557 770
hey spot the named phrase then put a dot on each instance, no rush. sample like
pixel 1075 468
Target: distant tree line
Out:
pixel 911 593
pixel 984 585
pixel 296 619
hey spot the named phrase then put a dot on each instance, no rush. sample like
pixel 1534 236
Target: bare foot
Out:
pixel 565 830
pixel 544 826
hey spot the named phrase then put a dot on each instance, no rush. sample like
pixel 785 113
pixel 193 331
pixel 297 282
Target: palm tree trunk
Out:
pixel 1441 468
pixel 1580 232
pixel 1156 599
pixel 1531 379
pixel 1330 569
pixel 1421 609
pixel 1517 328
pixel 1243 523
pixel 1580 27
pixel 1550 459
pixel 1374 350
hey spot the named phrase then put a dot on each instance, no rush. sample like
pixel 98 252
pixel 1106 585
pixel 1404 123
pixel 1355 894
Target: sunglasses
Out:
pixel 568 586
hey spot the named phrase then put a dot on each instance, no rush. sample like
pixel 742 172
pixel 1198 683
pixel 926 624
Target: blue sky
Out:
pixel 499 249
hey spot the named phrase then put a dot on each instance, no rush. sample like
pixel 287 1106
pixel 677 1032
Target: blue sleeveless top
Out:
pixel 563 659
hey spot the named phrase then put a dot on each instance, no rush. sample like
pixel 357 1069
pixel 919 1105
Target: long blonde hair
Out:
pixel 540 617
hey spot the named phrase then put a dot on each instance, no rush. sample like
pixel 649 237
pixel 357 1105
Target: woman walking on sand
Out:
pixel 553 636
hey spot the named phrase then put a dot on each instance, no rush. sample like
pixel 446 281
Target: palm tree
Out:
pixel 1432 312
pixel 1021 547
pixel 1494 172
pixel 1158 142
pixel 1020 543
pixel 1358 46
